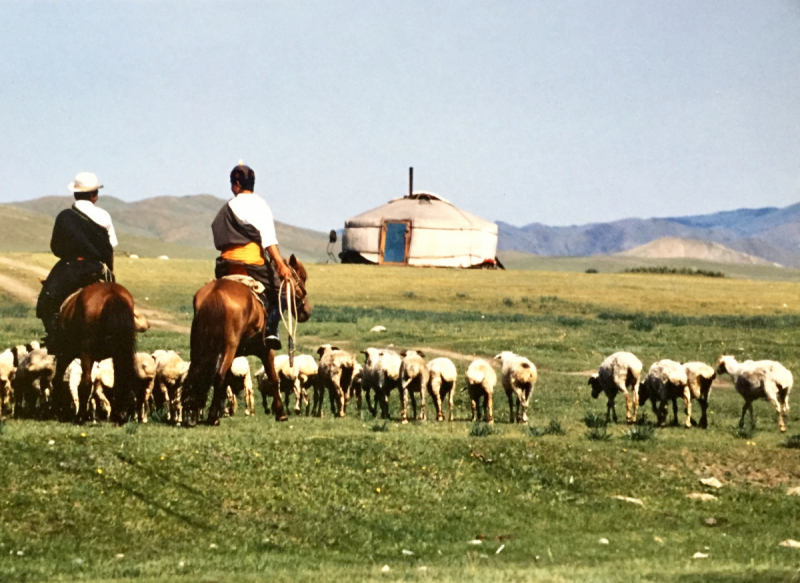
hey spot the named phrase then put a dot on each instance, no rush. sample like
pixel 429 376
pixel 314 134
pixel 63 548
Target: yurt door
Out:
pixel 395 239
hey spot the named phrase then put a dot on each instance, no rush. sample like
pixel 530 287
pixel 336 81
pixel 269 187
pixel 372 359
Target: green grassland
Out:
pixel 329 499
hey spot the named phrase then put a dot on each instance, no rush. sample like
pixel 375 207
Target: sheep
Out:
pixel 413 379
pixel 381 374
pixel 481 380
pixel 619 372
pixel 519 378
pixel 171 371
pixel 33 382
pixel 238 381
pixel 297 380
pixel 699 377
pixel 7 372
pixel 762 379
pixel 146 373
pixel 666 381
pixel 442 378
pixel 335 374
pixel 102 381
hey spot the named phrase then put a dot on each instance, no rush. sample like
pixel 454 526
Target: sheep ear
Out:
pixel 422 354
pixel 321 350
pixel 403 353
pixel 498 356
pixel 335 348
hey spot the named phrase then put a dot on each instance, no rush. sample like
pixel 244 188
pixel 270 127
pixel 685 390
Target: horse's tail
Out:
pixel 207 347
pixel 118 332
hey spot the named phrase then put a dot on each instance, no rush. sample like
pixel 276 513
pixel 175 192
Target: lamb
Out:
pixel 297 380
pixel 238 381
pixel 413 379
pixel 381 374
pixel 33 382
pixel 335 374
pixel 481 380
pixel 619 372
pixel 102 381
pixel 442 377
pixel 7 372
pixel 519 378
pixel 699 377
pixel 666 381
pixel 146 372
pixel 171 371
pixel 762 379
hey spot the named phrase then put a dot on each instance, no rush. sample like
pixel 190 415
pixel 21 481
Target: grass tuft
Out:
pixel 644 420
pixel 591 270
pixel 745 431
pixel 482 430
pixel 381 427
pixel 594 420
pixel 158 416
pixel 131 427
pixel 793 442
pixel 598 433
pixel 641 432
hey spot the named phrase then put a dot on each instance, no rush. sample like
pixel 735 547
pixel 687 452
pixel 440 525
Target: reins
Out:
pixel 290 317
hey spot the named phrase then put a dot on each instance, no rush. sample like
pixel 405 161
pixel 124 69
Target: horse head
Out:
pixel 299 275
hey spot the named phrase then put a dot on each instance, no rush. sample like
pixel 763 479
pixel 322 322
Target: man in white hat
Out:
pixel 83 240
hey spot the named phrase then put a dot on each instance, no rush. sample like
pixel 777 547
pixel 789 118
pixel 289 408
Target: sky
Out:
pixel 557 112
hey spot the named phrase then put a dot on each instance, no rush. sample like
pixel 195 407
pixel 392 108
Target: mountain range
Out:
pixel 179 226
pixel 770 233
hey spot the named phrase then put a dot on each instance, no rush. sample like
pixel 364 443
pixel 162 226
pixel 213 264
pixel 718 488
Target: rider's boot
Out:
pixel 272 338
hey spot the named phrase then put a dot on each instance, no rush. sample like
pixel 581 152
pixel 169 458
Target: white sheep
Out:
pixel 146 373
pixel 442 378
pixel 33 382
pixel 519 377
pixel 102 382
pixel 380 376
pixel 296 380
pixel 171 371
pixel 762 379
pixel 481 380
pixel 619 373
pixel 335 374
pixel 7 372
pixel 72 378
pixel 413 379
pixel 240 381
pixel 699 377
pixel 666 381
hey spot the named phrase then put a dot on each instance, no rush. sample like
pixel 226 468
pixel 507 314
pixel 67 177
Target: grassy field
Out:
pixel 326 499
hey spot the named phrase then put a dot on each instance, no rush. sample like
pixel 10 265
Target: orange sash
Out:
pixel 250 254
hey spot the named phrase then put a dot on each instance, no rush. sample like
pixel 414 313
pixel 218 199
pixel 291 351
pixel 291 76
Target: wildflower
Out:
pixel 99 470
pixel 378 490
pixel 83 435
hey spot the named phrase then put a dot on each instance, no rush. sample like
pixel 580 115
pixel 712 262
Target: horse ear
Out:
pixel 293 261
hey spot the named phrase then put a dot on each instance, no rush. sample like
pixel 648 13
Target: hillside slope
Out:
pixel 674 248
pixel 181 220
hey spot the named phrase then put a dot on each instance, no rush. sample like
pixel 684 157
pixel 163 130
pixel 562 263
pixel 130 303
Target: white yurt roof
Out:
pixel 426 210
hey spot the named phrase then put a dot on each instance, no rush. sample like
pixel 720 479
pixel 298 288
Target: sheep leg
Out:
pixel 703 400
pixel 687 399
pixel 510 396
pixel 422 390
pixel 85 388
pixel 342 395
pixel 230 405
pixel 473 401
pixel 249 401
pixel 611 409
pixel 404 404
pixel 372 407
pixel 629 418
pixel 772 393
pixel 488 408
pixel 437 402
pixel 450 400
pixel 674 411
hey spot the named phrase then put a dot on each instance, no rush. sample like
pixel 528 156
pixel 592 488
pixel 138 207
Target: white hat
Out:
pixel 85 182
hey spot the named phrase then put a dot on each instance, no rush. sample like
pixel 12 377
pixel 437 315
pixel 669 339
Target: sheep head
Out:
pixel 725 363
pixel 594 382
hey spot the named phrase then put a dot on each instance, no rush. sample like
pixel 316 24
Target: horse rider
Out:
pixel 244 233
pixel 83 240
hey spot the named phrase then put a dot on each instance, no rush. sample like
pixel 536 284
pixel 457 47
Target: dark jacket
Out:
pixel 77 236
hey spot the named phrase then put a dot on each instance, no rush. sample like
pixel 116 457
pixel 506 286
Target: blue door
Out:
pixel 394 242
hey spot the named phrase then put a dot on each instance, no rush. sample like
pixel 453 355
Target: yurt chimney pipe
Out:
pixel 410 181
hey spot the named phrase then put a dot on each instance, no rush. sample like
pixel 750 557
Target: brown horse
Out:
pixel 228 322
pixel 96 323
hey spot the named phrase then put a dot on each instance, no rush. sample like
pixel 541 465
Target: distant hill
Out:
pixel 182 222
pixel 769 233
pixel 674 248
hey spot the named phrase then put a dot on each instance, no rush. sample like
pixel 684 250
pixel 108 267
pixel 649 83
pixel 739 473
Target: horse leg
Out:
pixel 216 410
pixel 272 375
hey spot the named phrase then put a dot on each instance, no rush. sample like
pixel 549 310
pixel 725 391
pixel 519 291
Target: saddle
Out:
pixel 255 286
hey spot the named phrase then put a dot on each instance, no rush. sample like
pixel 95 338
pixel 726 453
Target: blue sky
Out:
pixel 553 112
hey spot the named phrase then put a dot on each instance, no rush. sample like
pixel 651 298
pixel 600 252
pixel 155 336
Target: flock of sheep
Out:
pixel 27 387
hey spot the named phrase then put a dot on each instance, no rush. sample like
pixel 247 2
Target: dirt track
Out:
pixel 158 319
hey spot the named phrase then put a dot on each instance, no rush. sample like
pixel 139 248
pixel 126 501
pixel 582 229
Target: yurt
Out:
pixel 420 229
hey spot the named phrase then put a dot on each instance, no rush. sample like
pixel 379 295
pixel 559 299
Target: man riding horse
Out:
pixel 244 232
pixel 83 239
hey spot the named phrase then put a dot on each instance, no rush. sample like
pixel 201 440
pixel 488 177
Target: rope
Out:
pixel 290 319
